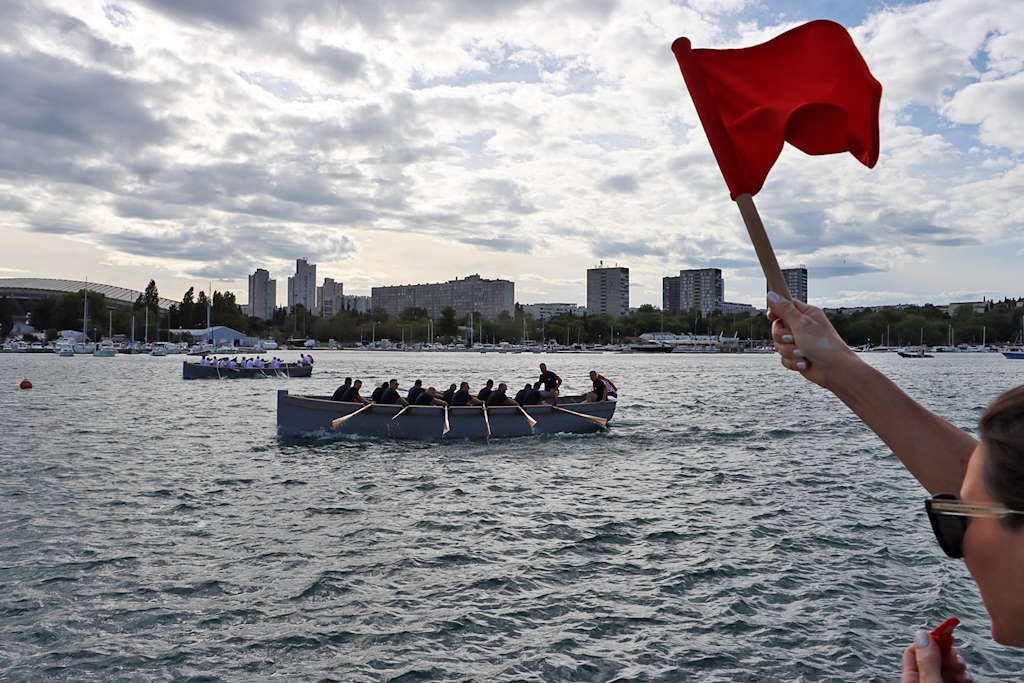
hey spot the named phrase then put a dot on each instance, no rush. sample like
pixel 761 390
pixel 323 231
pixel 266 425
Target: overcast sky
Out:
pixel 396 141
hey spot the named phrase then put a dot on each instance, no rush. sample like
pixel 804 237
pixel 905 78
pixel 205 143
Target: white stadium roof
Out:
pixel 40 287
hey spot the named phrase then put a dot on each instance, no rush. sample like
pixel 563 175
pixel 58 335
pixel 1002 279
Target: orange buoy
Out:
pixel 25 384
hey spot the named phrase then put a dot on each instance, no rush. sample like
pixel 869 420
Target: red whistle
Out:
pixel 943 634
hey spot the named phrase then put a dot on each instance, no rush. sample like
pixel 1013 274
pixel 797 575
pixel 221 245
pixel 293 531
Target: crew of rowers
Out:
pixel 228 363
pixel 544 389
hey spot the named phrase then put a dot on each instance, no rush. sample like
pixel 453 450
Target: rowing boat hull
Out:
pixel 312 416
pixel 197 371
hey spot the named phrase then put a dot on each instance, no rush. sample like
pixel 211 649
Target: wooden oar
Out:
pixel 527 416
pixel 400 412
pixel 446 428
pixel 487 422
pixel 342 420
pixel 599 421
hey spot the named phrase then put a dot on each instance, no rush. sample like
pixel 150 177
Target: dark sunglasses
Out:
pixel 949 517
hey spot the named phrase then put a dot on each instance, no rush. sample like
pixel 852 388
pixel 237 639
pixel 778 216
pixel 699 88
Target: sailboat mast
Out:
pixel 85 313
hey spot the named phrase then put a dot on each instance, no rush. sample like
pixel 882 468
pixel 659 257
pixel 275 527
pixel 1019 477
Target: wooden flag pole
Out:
pixel 763 247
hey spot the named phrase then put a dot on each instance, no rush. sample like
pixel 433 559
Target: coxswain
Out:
pixel 463 397
pixel 449 393
pixel 429 397
pixel 352 395
pixel 415 391
pixel 391 395
pixel 378 393
pixel 599 391
pixel 551 383
pixel 498 397
pixel 486 391
pixel 339 393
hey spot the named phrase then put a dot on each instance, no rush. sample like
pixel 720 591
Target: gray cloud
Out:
pixel 627 183
pixel 509 244
pixel 845 268
pixel 502 194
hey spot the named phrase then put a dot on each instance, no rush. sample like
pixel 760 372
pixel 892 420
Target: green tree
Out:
pixel 447 325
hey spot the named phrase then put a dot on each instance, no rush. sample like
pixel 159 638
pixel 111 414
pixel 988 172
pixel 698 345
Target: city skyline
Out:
pixel 156 140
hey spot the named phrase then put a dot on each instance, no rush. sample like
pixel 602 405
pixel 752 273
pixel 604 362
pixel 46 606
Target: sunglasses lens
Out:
pixel 949 530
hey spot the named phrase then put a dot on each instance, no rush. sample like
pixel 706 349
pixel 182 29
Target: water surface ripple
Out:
pixel 735 524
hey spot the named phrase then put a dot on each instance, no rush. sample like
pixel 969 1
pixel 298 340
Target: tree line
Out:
pixel 904 325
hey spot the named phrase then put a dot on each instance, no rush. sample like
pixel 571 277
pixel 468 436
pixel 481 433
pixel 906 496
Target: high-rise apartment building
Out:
pixel 670 294
pixel 608 290
pixel 796 280
pixel 302 286
pixel 702 289
pixel 330 298
pixel 489 298
pixel 262 295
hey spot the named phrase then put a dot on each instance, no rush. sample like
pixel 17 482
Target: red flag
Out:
pixel 809 86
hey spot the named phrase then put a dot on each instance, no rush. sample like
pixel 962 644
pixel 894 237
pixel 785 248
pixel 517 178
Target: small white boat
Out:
pixel 105 349
pixel 159 349
pixel 64 348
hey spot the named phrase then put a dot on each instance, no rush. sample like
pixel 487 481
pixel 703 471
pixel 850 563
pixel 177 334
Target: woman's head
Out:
pixel 993 547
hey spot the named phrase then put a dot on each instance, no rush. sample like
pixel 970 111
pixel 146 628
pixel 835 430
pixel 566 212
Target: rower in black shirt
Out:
pixel 532 396
pixel 429 397
pixel 521 394
pixel 339 393
pixel 352 395
pixel 391 396
pixel 449 394
pixel 486 391
pixel 599 392
pixel 378 392
pixel 415 391
pixel 551 383
pixel 463 397
pixel 498 397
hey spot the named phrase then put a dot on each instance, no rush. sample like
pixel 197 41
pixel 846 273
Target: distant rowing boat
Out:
pixel 197 371
pixel 312 415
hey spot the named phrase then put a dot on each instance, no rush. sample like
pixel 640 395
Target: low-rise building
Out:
pixel 549 311
pixel 730 308
pixel 217 335
pixel 473 293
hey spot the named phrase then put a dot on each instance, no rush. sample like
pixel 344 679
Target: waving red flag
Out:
pixel 809 86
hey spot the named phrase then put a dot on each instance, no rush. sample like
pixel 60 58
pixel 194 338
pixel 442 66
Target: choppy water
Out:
pixel 736 524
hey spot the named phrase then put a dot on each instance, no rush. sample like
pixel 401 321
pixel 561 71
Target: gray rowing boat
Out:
pixel 299 415
pixel 197 371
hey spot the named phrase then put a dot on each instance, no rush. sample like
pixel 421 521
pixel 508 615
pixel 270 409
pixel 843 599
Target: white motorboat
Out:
pixel 64 348
pixel 159 349
pixel 105 349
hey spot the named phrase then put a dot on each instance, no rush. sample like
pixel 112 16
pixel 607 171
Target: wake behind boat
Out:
pixel 213 371
pixel 299 415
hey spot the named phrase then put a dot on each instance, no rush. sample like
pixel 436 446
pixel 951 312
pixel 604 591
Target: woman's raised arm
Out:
pixel 935 451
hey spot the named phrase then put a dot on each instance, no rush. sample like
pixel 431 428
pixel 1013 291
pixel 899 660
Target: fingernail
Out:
pixel 922 638
pixel 797 353
pixel 774 298
pixel 787 339
pixel 801 365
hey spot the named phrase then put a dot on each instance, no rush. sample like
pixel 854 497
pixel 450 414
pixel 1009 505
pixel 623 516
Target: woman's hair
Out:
pixel 1002 431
